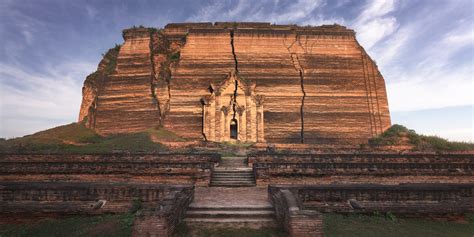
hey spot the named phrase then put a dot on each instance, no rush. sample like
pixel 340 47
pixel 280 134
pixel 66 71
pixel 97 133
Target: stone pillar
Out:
pixel 240 125
pixel 218 122
pixel 205 121
pixel 225 120
pixel 260 119
pixel 212 121
pixel 248 132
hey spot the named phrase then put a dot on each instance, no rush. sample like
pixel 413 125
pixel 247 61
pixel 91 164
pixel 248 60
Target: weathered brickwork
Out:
pixel 80 198
pixel 297 207
pixel 162 207
pixel 383 168
pixel 404 198
pixel 277 83
pixel 295 220
pixel 161 220
pixel 145 168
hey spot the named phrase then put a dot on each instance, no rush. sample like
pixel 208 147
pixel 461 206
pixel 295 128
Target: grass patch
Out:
pixel 234 148
pixel 400 135
pixel 161 134
pixel 74 133
pixel 183 230
pixel 76 138
pixel 356 225
pixel 104 225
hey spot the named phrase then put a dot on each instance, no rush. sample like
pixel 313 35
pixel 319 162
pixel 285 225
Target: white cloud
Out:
pixel 435 81
pixel 374 24
pixel 91 12
pixel 31 102
pixel 267 11
pixel 433 90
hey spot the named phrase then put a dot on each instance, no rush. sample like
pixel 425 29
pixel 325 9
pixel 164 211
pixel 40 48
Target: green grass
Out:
pixel 336 225
pixel 183 231
pixel 396 133
pixel 76 138
pixel 74 133
pixel 105 225
pixel 165 135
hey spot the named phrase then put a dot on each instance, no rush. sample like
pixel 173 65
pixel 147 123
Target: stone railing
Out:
pixel 362 168
pixel 368 198
pixel 292 217
pixel 143 168
pixel 298 207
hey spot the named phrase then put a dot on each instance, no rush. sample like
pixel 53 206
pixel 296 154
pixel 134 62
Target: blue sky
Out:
pixel 424 49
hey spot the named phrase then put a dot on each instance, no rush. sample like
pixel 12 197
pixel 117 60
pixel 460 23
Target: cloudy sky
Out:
pixel 424 49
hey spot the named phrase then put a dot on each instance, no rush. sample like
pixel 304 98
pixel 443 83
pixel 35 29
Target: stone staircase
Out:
pixel 251 216
pixel 233 172
pixel 223 207
pixel 232 200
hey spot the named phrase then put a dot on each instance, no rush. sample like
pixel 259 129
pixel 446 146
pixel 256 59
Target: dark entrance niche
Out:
pixel 233 129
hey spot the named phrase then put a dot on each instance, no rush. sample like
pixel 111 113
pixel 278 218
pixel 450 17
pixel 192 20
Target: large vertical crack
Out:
pixel 153 74
pixel 236 64
pixel 299 68
pixel 301 71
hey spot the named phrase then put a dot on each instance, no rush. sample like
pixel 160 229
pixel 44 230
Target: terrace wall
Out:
pixel 144 168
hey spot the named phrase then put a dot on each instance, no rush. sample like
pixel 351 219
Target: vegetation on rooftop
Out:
pixel 400 135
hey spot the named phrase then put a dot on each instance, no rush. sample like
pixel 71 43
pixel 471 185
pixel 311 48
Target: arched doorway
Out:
pixel 233 129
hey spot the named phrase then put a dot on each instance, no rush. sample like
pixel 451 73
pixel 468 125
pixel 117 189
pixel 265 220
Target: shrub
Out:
pixel 396 134
pixel 175 56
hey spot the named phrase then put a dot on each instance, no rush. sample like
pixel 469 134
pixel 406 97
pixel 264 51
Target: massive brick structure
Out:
pixel 253 82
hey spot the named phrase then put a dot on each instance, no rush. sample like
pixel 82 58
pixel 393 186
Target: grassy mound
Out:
pixel 76 138
pixel 398 135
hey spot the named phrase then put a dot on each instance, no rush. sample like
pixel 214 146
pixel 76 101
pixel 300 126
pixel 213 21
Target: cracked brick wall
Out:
pixel 319 84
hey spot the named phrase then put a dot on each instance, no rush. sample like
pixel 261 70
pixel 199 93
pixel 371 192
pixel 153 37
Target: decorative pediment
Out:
pixel 232 77
pixel 233 111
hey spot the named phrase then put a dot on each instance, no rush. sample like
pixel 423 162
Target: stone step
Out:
pixel 233 175
pixel 230 214
pixel 229 184
pixel 261 207
pixel 232 221
pixel 233 182
pixel 242 170
pixel 232 178
pixel 232 185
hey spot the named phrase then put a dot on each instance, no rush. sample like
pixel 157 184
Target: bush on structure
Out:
pixel 175 56
pixel 396 133
pixel 136 206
